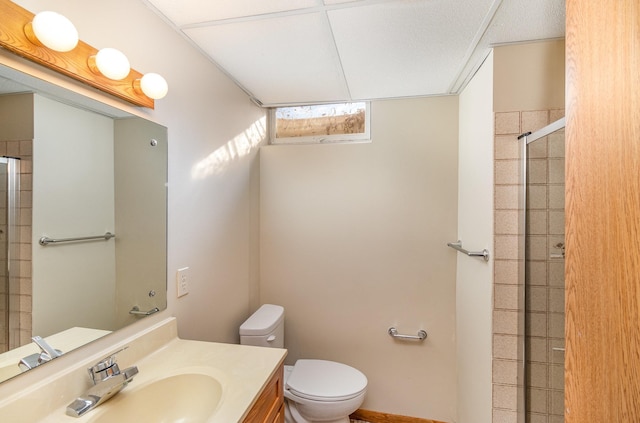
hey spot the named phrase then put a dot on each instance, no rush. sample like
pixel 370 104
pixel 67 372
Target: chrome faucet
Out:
pixel 47 353
pixel 107 381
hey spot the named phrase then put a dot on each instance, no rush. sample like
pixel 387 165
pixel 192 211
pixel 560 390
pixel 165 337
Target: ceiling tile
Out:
pixel 407 48
pixel 185 12
pixel 289 59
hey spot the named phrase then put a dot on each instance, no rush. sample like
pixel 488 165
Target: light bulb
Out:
pixel 152 85
pixel 52 30
pixel 111 63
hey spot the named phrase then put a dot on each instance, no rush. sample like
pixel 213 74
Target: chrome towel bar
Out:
pixel 136 310
pixel 46 240
pixel 393 332
pixel 458 246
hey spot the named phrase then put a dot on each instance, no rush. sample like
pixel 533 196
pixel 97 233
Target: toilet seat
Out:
pixel 328 381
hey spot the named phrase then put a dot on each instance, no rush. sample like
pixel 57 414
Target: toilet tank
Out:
pixel 264 328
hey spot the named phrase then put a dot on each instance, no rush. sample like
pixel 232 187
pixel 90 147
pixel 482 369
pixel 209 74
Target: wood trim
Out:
pixel 602 361
pixel 73 64
pixel 378 417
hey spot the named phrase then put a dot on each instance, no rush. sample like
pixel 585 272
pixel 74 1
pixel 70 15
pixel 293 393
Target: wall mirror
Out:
pixel 83 170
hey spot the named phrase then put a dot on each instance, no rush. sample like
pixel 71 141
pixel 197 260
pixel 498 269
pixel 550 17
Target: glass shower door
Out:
pixel 544 275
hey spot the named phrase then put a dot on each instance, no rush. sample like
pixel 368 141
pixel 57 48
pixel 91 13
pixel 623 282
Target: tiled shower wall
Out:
pixel 20 286
pixel 545 294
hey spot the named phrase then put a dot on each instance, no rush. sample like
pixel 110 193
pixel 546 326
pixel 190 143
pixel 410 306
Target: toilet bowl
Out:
pixel 314 390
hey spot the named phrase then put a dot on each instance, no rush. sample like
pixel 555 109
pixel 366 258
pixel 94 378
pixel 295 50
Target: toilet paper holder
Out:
pixel 421 336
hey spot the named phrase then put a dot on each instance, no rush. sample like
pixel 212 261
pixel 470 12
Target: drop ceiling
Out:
pixel 311 51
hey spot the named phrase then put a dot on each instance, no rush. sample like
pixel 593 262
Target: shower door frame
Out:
pixel 526 138
pixel 12 246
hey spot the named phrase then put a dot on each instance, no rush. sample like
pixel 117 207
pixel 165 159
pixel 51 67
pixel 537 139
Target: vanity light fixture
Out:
pixel 152 85
pixel 49 39
pixel 111 63
pixel 52 30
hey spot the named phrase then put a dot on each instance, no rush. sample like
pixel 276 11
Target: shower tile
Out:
pixel 3 148
pixel 505 396
pixel 536 247
pixel 556 144
pixel 26 182
pixel 556 351
pixel 505 322
pixel 534 120
pixel 536 324
pixel 505 346
pixel 507 172
pixel 536 298
pixel 536 273
pixel 555 246
pixel 505 416
pixel 556 300
pixel 507 123
pixel 505 371
pixel 556 171
pixel 537 375
pixel 537 171
pixel 536 418
pixel 537 222
pixel 507 197
pixel 537 197
pixel 506 247
pixel 537 400
pixel 507 147
pixel 26 165
pixel 26 148
pixel 506 272
pixel 536 349
pixel 13 148
pixel 506 222
pixel 556 273
pixel 538 149
pixel 556 401
pixel 556 419
pixel 555 114
pixel 556 377
pixel 556 222
pixel 556 196
pixel 506 297
pixel 556 325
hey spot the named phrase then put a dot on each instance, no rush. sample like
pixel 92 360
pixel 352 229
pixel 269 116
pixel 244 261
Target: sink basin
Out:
pixel 183 398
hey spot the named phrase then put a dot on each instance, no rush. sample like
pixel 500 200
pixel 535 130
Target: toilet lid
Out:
pixel 322 380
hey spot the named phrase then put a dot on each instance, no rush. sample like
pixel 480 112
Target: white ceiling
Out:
pixel 310 51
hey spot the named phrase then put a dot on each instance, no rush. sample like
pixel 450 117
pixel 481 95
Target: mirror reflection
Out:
pixel 78 173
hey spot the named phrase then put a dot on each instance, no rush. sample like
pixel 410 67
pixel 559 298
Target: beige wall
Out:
pixel 474 278
pixel 529 76
pixel 353 241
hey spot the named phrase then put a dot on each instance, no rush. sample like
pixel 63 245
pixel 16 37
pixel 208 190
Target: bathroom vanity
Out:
pixel 178 380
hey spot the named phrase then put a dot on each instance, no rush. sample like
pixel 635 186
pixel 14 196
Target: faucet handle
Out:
pixel 48 352
pixel 105 368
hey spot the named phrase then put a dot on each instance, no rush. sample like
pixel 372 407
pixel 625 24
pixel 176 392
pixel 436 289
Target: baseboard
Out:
pixel 377 417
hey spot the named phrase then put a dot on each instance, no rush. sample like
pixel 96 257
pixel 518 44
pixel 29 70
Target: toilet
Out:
pixel 314 390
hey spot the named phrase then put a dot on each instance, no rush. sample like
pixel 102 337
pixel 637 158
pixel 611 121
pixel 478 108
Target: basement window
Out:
pixel 320 123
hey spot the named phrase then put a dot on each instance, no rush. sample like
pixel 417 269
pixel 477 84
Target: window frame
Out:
pixel 364 137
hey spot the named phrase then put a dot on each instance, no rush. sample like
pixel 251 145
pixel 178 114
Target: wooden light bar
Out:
pixel 73 64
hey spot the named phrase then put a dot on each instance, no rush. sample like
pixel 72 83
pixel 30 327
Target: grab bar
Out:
pixel 136 310
pixel 393 332
pixel 458 246
pixel 46 240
